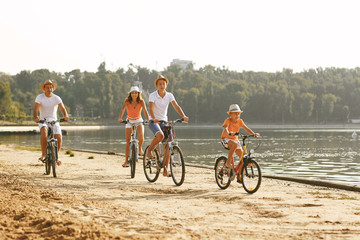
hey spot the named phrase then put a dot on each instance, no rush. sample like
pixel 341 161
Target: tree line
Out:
pixel 311 96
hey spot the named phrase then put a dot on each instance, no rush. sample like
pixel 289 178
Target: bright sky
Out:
pixel 258 35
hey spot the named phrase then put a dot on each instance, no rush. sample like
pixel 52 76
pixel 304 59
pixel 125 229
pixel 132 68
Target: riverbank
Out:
pixel 95 198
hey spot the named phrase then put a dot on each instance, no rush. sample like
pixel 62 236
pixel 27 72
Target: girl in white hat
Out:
pixel 133 104
pixel 231 126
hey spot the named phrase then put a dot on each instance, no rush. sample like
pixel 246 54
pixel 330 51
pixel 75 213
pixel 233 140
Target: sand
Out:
pixel 97 199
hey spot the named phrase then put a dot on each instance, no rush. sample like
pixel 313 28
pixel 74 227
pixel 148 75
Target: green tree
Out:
pixel 306 105
pixel 5 97
pixel 328 103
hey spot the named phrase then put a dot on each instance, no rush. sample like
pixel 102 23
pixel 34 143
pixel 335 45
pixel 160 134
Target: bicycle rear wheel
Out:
pixel 53 158
pixel 177 166
pixel 251 176
pixel 133 159
pixel 222 173
pixel 151 167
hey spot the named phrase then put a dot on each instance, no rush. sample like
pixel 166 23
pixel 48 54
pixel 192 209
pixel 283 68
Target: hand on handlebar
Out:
pixel 37 119
pixel 185 119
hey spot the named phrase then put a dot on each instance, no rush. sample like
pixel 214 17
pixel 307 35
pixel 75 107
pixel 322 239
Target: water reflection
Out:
pixel 325 154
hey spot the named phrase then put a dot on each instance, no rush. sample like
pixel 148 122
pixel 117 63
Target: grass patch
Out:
pixel 346 197
pixel 91 157
pixel 69 151
pixel 72 154
pixel 27 148
pixel 318 194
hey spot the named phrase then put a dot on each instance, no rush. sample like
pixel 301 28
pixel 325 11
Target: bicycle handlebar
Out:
pixel 128 122
pixel 245 136
pixel 180 120
pixel 58 120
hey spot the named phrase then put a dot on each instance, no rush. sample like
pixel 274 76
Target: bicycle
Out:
pixel 250 171
pixel 134 142
pixel 153 166
pixel 52 148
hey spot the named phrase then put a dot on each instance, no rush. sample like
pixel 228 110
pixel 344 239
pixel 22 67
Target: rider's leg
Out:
pixel 232 147
pixel 140 132
pixel 127 146
pixel 166 159
pixel 158 138
pixel 238 168
pixel 58 137
pixel 43 142
pixel 239 152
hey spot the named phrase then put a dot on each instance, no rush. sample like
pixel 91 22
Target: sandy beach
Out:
pixel 97 199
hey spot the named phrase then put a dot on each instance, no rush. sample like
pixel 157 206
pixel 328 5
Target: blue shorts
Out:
pixel 161 127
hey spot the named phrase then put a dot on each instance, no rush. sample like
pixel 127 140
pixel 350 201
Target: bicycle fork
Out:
pixel 134 143
pixel 50 142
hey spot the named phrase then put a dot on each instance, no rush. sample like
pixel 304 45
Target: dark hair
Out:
pixel 138 99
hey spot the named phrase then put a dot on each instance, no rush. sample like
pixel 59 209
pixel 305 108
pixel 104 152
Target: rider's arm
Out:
pixel 249 131
pixel 225 127
pixel 122 112
pixel 151 112
pixel 179 110
pixel 145 110
pixel 63 111
pixel 35 112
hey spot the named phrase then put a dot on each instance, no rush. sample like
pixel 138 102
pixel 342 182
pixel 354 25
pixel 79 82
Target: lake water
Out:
pixel 325 154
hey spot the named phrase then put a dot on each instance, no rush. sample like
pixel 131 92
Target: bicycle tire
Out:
pixel 47 160
pixel 53 159
pixel 222 174
pixel 177 166
pixel 133 159
pixel 151 168
pixel 251 176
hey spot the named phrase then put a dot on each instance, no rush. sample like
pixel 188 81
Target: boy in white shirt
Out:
pixel 158 107
pixel 47 103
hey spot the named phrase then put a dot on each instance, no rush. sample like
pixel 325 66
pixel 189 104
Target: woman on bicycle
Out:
pixel 158 107
pixel 133 104
pixel 231 126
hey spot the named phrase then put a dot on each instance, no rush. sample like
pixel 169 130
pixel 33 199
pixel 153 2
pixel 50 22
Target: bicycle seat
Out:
pixel 225 145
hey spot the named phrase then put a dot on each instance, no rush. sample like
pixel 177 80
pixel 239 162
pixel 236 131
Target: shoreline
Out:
pixel 97 199
pixel 69 126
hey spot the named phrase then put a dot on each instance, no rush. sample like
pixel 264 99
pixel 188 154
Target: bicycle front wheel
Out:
pixel 53 158
pixel 222 173
pixel 151 166
pixel 133 158
pixel 251 176
pixel 48 160
pixel 177 166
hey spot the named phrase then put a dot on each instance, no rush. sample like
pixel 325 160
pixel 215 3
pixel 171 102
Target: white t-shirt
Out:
pixel 48 106
pixel 161 104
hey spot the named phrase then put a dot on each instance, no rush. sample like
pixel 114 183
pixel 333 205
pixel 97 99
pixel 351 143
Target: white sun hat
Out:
pixel 234 108
pixel 134 89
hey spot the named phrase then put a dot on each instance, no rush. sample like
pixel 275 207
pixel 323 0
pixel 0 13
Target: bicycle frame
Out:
pixel 133 139
pixel 169 144
pixel 50 133
pixel 52 147
pixel 244 152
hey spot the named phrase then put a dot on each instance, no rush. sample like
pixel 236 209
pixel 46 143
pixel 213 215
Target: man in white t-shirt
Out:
pixel 47 103
pixel 158 107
